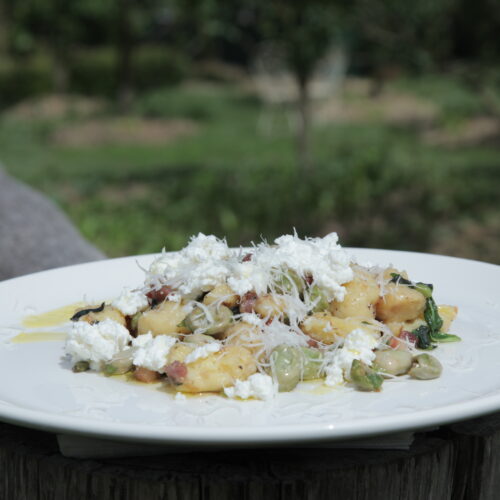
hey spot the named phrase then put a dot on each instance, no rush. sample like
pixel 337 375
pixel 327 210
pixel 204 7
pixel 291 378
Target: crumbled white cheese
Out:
pixel 258 386
pixel 251 319
pixel 358 344
pixel 246 276
pixel 97 342
pixel 207 261
pixel 151 352
pixel 334 375
pixel 174 297
pixel 276 333
pixel 322 258
pixel 130 301
pixel 202 351
pixel 200 266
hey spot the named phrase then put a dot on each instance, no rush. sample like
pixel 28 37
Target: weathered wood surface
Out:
pixel 459 462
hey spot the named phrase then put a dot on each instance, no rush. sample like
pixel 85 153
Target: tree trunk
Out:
pixel 4 28
pixel 303 126
pixel 60 70
pixel 59 50
pixel 124 48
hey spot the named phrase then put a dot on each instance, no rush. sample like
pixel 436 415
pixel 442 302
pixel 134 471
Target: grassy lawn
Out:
pixel 378 180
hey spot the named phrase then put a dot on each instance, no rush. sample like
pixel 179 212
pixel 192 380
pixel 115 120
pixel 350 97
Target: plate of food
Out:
pixel 297 340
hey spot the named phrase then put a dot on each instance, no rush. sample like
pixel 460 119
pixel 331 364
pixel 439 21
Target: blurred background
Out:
pixel 150 120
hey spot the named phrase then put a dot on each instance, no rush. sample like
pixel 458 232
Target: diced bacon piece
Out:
pixel 176 372
pixel 248 257
pixel 145 375
pixel 405 340
pixel 157 296
pixel 247 303
pixel 408 336
pixel 313 343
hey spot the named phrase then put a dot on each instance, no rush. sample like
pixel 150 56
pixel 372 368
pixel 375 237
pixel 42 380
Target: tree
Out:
pixel 305 31
pixel 56 25
pixel 409 35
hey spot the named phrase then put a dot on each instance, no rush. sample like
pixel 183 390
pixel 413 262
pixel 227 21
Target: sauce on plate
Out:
pixel 51 318
pixel 39 336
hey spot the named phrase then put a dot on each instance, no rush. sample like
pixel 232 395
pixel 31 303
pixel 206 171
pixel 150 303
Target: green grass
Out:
pixel 455 99
pixel 377 185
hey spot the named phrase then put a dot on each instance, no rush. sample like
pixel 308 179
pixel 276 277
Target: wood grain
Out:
pixel 459 462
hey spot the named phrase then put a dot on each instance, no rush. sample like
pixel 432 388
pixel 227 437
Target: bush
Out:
pixel 94 72
pixel 455 99
pixel 23 79
pixel 369 207
pixel 155 66
pixel 179 102
pixel 204 102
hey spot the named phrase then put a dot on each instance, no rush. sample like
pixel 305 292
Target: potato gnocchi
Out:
pixel 251 323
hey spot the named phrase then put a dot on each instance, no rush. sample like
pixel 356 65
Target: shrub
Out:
pixel 94 71
pixel 25 78
pixel 155 66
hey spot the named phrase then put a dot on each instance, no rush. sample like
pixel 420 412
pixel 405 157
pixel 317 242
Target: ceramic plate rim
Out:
pixel 266 434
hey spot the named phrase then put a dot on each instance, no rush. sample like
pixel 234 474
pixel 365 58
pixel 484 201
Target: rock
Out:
pixel 35 234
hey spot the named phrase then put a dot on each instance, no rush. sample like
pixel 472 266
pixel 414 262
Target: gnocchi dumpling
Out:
pixel 215 371
pixel 165 319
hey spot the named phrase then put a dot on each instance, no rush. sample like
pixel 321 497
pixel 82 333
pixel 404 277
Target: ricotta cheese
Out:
pixel 257 386
pixel 358 344
pixel 277 333
pixel 207 261
pixel 202 351
pixel 200 266
pixel 151 352
pixel 96 343
pixel 251 319
pixel 130 302
pixel 322 258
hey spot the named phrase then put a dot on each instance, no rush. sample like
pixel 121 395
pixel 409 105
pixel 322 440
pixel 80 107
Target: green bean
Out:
pixel 425 367
pixel 286 366
pixel 393 362
pixel 317 294
pixel 199 319
pixel 364 378
pixel 312 360
pixel 81 366
pixel 288 282
pixel 120 363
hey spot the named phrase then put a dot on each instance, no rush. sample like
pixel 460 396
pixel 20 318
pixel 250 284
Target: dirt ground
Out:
pixel 472 132
pixel 52 107
pixel 123 130
pixel 353 103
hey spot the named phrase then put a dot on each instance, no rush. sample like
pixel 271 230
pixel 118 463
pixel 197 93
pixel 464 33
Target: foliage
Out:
pixel 412 35
pixel 378 186
pixel 305 31
pixel 153 66
pixel 456 99
pixel 19 81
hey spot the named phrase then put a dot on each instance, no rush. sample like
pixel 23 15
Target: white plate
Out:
pixel 38 388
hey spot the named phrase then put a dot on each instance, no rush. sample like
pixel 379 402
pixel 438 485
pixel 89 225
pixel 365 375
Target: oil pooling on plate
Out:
pixel 51 318
pixel 35 325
